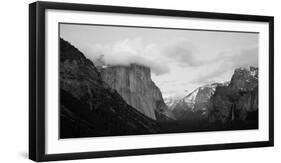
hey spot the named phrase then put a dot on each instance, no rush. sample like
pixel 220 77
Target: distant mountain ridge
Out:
pixel 196 101
pixel 201 94
pixel 171 102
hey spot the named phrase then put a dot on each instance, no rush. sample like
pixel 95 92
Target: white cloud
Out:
pixel 226 62
pixel 128 51
pixel 183 52
pixel 178 52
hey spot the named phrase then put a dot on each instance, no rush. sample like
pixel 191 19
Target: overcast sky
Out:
pixel 180 60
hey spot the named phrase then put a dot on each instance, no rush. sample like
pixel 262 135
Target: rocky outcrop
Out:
pixel 89 107
pixel 239 100
pixel 134 84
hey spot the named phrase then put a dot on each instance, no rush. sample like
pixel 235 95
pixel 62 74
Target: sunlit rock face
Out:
pixel 134 84
pixel 239 100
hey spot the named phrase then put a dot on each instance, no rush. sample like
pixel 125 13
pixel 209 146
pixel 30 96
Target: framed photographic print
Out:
pixel 118 81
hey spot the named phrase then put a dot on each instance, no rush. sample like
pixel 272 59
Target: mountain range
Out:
pixel 223 103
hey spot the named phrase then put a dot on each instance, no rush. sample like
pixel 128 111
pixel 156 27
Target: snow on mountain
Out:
pixel 171 102
pixel 201 95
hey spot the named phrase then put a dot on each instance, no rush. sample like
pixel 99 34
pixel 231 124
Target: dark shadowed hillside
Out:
pixel 88 106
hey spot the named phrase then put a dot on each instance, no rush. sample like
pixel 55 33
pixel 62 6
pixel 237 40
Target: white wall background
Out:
pixel 14 80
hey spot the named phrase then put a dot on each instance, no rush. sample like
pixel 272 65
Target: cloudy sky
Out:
pixel 180 60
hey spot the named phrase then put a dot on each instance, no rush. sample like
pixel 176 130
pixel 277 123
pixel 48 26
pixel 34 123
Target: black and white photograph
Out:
pixel 130 80
pixel 117 80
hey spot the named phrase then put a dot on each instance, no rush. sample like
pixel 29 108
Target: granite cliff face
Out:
pixel 134 84
pixel 89 107
pixel 239 100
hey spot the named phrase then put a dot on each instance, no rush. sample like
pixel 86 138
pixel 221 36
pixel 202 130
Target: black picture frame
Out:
pixel 37 80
